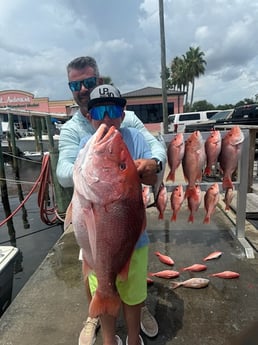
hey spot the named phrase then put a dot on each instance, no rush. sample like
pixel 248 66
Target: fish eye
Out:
pixel 122 166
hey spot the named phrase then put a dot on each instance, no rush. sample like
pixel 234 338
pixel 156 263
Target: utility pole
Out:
pixel 163 67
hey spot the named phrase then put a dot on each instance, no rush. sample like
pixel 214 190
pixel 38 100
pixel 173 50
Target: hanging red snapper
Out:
pixel 176 201
pixel 107 213
pixel 211 199
pixel 162 201
pixel 212 150
pixel 175 153
pixel 194 158
pixel 194 199
pixel 230 153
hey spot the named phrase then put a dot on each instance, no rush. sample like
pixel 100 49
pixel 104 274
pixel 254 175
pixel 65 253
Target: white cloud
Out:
pixel 38 39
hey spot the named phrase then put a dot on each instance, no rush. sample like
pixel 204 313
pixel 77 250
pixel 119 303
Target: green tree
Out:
pixel 202 105
pixel 107 80
pixel 195 65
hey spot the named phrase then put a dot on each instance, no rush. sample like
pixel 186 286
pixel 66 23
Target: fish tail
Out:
pixel 206 220
pixel 161 216
pixel 104 305
pixel 173 217
pixel 227 183
pixel 191 218
pixel 207 171
pixel 171 176
pixel 175 285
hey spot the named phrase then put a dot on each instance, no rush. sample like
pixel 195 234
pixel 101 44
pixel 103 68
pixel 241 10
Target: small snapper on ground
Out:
pixel 213 255
pixel 165 259
pixel 194 283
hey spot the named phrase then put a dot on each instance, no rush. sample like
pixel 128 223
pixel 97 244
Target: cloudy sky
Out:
pixel 39 38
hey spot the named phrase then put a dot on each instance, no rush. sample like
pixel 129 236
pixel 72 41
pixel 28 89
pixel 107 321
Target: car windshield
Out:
pixel 171 118
pixel 221 115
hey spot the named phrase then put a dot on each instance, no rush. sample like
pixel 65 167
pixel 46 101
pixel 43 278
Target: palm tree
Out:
pixel 178 74
pixel 195 66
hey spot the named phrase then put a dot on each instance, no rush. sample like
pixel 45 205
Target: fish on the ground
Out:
pixel 214 255
pixel 230 152
pixel 211 199
pixel 194 283
pixel 195 268
pixel 194 158
pixel 225 275
pixel 212 150
pixel 176 201
pixel 175 153
pixel 194 199
pixel 162 200
pixel 166 274
pixel 107 213
pixel 229 195
pixel 165 259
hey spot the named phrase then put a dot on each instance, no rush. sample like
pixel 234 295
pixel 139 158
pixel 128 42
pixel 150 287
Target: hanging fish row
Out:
pixel 198 157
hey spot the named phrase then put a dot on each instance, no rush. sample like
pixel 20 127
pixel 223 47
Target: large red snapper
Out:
pixel 212 150
pixel 107 213
pixel 175 153
pixel 194 158
pixel 230 153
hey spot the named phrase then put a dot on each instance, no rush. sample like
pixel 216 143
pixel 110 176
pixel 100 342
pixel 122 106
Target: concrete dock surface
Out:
pixel 52 306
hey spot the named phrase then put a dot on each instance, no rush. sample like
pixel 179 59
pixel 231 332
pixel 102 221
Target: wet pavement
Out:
pixel 52 306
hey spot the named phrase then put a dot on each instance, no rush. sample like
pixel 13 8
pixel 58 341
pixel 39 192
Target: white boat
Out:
pixel 7 261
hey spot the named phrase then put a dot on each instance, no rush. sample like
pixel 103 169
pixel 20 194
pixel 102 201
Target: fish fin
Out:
pixel 91 226
pixel 123 274
pixel 68 216
pixel 104 305
pixel 85 268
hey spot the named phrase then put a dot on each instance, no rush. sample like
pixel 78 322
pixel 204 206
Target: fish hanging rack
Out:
pixel 241 186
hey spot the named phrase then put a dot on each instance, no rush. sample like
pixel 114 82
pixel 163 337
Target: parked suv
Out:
pixel 178 122
pixel 243 115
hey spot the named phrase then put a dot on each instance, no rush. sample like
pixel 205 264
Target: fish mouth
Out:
pixel 105 133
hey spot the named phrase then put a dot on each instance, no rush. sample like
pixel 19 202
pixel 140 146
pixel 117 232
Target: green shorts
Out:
pixel 134 290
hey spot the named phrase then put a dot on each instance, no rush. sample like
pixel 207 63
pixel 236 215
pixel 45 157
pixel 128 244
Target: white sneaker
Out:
pixel 119 340
pixel 88 333
pixel 149 324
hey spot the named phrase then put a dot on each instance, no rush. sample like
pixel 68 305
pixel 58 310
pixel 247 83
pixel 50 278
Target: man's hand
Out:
pixel 147 170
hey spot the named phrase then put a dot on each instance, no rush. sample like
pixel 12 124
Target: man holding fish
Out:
pixel 83 77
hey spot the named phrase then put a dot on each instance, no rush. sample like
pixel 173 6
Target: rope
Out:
pixel 43 181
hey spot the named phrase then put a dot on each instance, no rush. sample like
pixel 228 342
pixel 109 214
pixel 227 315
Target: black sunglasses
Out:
pixel 89 83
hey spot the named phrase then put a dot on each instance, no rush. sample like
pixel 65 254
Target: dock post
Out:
pixel 63 195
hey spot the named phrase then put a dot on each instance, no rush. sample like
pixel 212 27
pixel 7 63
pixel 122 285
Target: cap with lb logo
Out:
pixel 106 93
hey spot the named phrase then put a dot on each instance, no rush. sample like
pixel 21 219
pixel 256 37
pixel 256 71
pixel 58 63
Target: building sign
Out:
pixel 16 99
